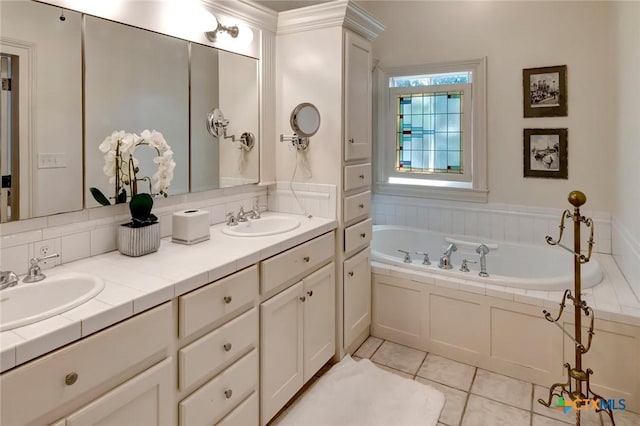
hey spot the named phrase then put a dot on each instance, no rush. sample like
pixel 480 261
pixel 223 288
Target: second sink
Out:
pixel 267 225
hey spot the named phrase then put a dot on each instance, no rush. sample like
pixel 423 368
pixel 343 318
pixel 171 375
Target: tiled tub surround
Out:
pixel 137 284
pixel 503 329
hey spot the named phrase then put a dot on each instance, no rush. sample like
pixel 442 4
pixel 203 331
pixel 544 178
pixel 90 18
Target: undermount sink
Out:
pixel 269 225
pixel 29 303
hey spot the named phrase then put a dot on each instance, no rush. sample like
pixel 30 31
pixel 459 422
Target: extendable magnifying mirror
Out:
pixel 305 121
pixel 217 127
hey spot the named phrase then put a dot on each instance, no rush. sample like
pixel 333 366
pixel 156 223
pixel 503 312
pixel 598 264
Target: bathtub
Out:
pixel 516 265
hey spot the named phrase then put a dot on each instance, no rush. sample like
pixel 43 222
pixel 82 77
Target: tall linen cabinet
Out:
pixel 324 57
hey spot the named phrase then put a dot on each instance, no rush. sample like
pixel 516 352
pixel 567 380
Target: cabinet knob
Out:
pixel 306 259
pixel 352 140
pixel 228 393
pixel 350 273
pixel 363 235
pixel 227 347
pixel 303 298
pixel 361 176
pixel 361 206
pixel 70 378
pixel 310 293
pixel 227 299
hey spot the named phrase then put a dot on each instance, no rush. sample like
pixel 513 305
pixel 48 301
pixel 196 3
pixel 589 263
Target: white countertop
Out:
pixel 135 284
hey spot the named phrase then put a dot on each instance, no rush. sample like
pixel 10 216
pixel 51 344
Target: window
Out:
pixel 431 135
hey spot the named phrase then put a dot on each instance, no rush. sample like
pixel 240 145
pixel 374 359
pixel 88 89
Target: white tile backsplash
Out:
pixel 312 198
pixel 496 221
pixel 75 246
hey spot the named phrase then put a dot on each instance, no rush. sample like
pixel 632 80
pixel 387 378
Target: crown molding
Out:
pixel 344 13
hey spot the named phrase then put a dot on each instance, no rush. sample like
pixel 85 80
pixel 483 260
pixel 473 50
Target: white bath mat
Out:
pixel 357 393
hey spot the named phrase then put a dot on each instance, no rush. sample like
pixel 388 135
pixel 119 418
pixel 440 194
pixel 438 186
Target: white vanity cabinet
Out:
pixel 297 327
pixel 357 295
pixel 104 376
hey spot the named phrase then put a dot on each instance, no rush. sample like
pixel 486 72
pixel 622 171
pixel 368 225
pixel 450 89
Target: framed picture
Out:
pixel 545 91
pixel 545 153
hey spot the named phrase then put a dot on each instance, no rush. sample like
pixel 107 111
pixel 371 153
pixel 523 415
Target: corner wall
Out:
pixel 626 213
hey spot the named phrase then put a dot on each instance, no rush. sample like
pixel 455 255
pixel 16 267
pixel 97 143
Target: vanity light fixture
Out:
pixel 232 30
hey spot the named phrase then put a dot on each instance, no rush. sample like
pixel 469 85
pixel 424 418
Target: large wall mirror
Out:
pixel 134 80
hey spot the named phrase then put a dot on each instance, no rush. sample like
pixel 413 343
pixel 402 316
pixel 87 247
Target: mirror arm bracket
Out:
pixel 217 127
pixel 297 142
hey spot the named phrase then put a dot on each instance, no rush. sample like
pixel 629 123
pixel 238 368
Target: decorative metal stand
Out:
pixel 577 388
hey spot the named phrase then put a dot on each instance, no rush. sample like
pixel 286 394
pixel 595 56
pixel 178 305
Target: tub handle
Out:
pixel 464 267
pixel 407 257
pixel 472 244
pixel 426 260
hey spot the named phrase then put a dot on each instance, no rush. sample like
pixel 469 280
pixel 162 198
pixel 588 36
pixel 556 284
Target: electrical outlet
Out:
pixel 47 248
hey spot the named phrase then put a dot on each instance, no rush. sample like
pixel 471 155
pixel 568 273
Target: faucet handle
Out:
pixel 231 219
pixel 407 257
pixel 34 273
pixel 464 267
pixel 426 260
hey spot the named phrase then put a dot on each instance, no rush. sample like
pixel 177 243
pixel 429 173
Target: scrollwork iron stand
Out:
pixel 577 387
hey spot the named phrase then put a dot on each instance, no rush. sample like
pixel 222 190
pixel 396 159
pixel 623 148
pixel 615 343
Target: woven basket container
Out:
pixel 138 241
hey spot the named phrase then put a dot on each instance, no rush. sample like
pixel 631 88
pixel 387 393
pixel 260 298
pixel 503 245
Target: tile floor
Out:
pixel 474 396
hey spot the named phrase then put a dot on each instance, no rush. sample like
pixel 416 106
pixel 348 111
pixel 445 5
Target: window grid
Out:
pixel 429 133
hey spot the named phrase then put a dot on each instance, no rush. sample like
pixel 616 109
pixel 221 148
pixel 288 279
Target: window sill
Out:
pixel 440 193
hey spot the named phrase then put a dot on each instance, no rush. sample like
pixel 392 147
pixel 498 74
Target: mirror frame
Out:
pixel 293 120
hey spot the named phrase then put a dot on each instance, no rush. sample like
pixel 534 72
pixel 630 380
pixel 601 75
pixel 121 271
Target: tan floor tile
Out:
pixel 485 412
pixel 502 388
pixel 394 371
pixel 546 421
pixel 368 348
pixel 399 357
pixel 447 372
pixel 540 392
pixel 455 401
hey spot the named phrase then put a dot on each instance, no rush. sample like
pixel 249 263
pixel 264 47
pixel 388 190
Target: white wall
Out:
pixel 513 36
pixel 308 69
pixel 626 247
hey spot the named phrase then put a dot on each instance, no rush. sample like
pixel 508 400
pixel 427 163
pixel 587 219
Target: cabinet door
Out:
pixel 281 363
pixel 357 296
pixel 145 399
pixel 319 319
pixel 357 144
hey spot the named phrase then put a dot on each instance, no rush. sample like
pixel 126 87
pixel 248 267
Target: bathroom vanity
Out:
pixel 208 354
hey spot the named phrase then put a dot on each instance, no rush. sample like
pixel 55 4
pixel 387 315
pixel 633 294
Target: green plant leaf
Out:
pixel 99 196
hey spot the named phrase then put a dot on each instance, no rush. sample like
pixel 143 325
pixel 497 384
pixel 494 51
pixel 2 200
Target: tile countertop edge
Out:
pixel 260 249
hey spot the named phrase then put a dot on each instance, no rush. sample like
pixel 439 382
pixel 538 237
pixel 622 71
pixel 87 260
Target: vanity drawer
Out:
pixel 358 236
pixel 296 262
pixel 245 414
pixel 213 351
pixel 33 390
pixel 356 206
pixel 358 176
pixel 217 301
pixel 220 395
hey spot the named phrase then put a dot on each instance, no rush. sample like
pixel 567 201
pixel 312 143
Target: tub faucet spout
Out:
pixel 483 250
pixel 445 260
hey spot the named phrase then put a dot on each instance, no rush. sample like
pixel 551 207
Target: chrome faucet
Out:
pixel 231 219
pixel 483 250
pixel 407 257
pixel 8 279
pixel 445 260
pixel 255 211
pixel 242 215
pixel 34 274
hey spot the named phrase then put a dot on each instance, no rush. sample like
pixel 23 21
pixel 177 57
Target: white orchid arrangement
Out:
pixel 122 167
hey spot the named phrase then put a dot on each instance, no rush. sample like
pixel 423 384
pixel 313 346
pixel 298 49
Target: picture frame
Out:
pixel 545 153
pixel 544 91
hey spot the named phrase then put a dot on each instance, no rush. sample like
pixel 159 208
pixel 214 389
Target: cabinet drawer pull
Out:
pixel 227 299
pixel 361 176
pixel 70 378
pixel 227 347
pixel 350 273
pixel 363 235
pixel 361 206
pixel 303 298
pixel 228 393
pixel 352 140
pixel 306 259
pixel 310 293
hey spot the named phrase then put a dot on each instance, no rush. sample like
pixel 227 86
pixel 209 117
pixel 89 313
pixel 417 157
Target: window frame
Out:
pixel 439 187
